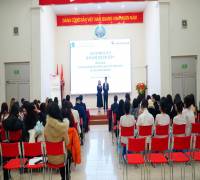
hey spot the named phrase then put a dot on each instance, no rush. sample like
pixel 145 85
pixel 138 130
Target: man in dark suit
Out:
pixel 105 93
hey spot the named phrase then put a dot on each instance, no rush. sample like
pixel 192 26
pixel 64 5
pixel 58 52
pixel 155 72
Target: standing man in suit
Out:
pixel 105 94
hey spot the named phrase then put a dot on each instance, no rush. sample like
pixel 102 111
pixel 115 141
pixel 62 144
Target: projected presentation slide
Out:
pixel 92 60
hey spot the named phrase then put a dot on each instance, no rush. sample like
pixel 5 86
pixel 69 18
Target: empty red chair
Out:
pixel 32 150
pixel 135 153
pixel 145 130
pixel 162 130
pixel 195 128
pixel 180 144
pixel 12 152
pixel 55 149
pixel 158 149
pixel 179 129
pixel 14 136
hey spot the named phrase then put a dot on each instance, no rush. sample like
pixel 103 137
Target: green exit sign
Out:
pixel 184 66
pixel 16 72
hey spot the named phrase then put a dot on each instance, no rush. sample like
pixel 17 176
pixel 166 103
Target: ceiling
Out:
pixel 99 8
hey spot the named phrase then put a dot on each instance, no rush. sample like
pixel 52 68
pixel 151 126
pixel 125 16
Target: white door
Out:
pixel 17 76
pixel 184 75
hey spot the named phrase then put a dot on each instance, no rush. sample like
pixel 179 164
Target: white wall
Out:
pixel 152 44
pixel 14 48
pixel 47 24
pixel 133 31
pixel 176 41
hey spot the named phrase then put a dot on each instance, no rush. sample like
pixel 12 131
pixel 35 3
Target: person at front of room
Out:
pixel 105 93
pixel 99 96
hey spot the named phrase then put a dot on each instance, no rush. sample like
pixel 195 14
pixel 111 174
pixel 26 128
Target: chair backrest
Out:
pixel 179 129
pixel 145 130
pixel 127 131
pixel 136 144
pixel 55 148
pixel 182 143
pixel 162 130
pixel 4 135
pixel 197 142
pixel 159 144
pixel 32 149
pixel 10 150
pixel 14 136
pixel 195 128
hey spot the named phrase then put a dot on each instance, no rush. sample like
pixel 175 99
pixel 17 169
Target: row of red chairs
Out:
pixel 162 151
pixel 10 136
pixel 160 130
pixel 18 155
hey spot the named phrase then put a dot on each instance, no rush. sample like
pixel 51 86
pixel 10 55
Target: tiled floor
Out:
pixel 100 162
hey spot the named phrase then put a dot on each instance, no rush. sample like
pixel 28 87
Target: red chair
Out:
pixel 162 130
pixel 34 150
pixel 145 130
pixel 56 149
pixel 158 149
pixel 4 135
pixel 195 128
pixel 115 126
pixel 126 132
pixel 137 157
pixel 180 144
pixel 12 152
pixel 179 129
pixel 14 136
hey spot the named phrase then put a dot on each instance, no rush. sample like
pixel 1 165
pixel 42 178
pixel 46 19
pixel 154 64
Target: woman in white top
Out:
pixel 126 120
pixel 179 118
pixel 162 118
pixel 145 118
pixel 188 114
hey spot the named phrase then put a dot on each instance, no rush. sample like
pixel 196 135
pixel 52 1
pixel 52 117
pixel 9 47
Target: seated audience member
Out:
pixel 162 118
pixel 82 112
pixel 179 118
pixel 13 123
pixel 127 97
pixel 55 100
pixel 115 105
pixel 145 118
pixel 30 120
pixel 127 120
pixel 4 112
pixel 189 114
pixel 12 101
pixel 56 131
pixel 135 108
pixel 151 108
pixel 42 114
pixel 170 106
pixel 193 106
pixel 68 100
pixel 82 103
pixel 155 99
pixel 121 110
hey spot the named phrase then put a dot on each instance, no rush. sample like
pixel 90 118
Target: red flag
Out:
pixel 62 82
pixel 57 69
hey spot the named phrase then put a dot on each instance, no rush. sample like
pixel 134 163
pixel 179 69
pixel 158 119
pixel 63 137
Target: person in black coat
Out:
pixel 105 93
pixel 13 123
pixel 99 96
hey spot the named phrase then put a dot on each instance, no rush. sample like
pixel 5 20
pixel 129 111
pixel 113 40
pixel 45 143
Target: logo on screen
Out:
pixel 72 44
pixel 100 31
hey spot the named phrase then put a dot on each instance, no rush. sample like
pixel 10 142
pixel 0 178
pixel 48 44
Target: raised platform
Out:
pixel 98 118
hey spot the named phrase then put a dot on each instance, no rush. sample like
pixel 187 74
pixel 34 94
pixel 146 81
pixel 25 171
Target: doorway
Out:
pixel 17 78
pixel 184 75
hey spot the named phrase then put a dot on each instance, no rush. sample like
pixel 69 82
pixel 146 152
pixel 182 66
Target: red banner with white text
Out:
pixel 119 18
pixel 51 2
